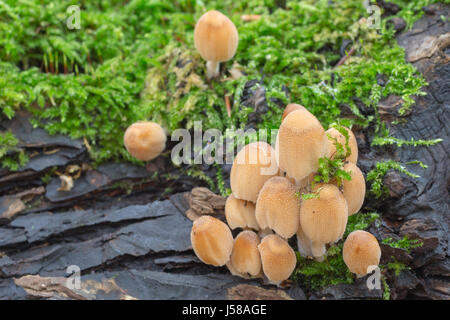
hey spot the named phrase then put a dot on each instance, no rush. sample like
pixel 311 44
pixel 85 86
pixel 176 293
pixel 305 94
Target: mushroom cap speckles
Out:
pixel 211 240
pixel 252 167
pixel 277 257
pixel 354 190
pixel 301 141
pixel 278 207
pixel 145 140
pixel 216 37
pixel 324 219
pixel 245 258
pixel 361 250
pixel 353 157
pixel 240 213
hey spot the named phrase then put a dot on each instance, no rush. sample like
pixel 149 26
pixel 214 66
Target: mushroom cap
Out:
pixel 354 190
pixel 277 257
pixel 245 258
pixel 301 141
pixel 278 207
pixel 211 240
pixel 361 250
pixel 324 219
pixel 291 107
pixel 240 213
pixel 145 140
pixel 353 157
pixel 216 37
pixel 250 170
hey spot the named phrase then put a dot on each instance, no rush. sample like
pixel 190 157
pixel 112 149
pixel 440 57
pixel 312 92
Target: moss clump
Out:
pixel 376 175
pixel 123 64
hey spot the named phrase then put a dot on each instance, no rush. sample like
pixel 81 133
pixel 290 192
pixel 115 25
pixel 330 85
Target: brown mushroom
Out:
pixel 361 250
pixel 252 167
pixel 301 141
pixel 240 213
pixel 216 39
pixel 354 190
pixel 277 257
pixel 211 240
pixel 334 133
pixel 145 140
pixel 245 260
pixel 291 107
pixel 278 207
pixel 323 218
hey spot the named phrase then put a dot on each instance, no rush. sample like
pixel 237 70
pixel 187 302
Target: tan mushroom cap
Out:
pixel 216 37
pixel 301 141
pixel 278 207
pixel 361 250
pixel 240 213
pixel 211 240
pixel 245 260
pixel 291 107
pixel 278 258
pixel 145 140
pixel 324 219
pixel 252 167
pixel 354 190
pixel 353 157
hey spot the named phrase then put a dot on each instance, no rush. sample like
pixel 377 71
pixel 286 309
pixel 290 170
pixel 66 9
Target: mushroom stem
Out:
pixel 318 251
pixel 265 232
pixel 212 69
pixel 303 243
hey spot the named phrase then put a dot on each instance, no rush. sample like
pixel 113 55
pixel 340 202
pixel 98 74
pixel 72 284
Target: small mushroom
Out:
pixel 301 141
pixel 291 107
pixel 240 213
pixel 324 218
pixel 361 250
pixel 211 240
pixel 216 39
pixel 354 190
pixel 278 207
pixel 245 260
pixel 252 167
pixel 334 133
pixel 145 140
pixel 277 257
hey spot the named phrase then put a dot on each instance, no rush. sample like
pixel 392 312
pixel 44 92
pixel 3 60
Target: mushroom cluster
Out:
pixel 268 205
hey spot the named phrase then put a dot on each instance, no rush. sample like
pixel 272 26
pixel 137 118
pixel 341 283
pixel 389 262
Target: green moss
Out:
pixel 404 243
pixel 121 66
pixel 376 175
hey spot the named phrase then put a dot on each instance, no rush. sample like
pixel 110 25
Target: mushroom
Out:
pixel 278 207
pixel 303 243
pixel 354 190
pixel 324 218
pixel 245 260
pixel 211 240
pixel 291 107
pixel 334 133
pixel 277 257
pixel 361 250
pixel 145 140
pixel 240 213
pixel 301 141
pixel 252 167
pixel 216 39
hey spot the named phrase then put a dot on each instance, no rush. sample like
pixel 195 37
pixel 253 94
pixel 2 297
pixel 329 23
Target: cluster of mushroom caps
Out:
pixel 266 205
